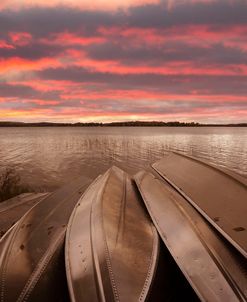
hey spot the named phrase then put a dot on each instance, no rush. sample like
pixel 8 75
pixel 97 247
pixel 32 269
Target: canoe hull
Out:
pixel 111 255
pixel 184 241
pixel 31 253
pixel 218 195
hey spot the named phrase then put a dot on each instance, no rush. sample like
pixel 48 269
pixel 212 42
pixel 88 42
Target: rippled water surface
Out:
pixel 46 158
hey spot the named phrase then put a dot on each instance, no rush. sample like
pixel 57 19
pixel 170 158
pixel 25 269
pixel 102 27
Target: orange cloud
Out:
pixel 20 65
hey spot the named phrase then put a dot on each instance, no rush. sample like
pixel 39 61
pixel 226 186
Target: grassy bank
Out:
pixel 10 185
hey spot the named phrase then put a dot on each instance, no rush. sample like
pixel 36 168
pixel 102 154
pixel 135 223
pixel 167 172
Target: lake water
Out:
pixel 47 158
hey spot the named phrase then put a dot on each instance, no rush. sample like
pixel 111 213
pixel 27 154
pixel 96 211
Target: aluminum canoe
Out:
pixel 220 196
pixel 32 251
pixel 185 242
pixel 111 245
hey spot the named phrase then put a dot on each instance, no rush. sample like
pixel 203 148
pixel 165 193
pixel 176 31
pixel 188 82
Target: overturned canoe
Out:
pixel 32 252
pixel 185 242
pixel 13 209
pixel 220 196
pixel 232 263
pixel 111 245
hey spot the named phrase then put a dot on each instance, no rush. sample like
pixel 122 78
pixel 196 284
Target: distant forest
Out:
pixel 119 124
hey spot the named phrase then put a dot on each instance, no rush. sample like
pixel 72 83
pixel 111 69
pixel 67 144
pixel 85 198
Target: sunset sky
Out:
pixel 112 60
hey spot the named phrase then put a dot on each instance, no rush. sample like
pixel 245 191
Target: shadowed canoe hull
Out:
pixel 13 209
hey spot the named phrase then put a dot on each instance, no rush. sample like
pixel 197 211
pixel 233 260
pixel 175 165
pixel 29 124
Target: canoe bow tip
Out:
pixel 115 169
pixel 138 177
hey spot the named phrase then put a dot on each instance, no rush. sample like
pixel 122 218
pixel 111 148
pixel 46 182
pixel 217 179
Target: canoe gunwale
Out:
pixel 40 268
pixel 96 208
pixel 6 207
pixel 152 267
pixel 67 242
pixel 164 236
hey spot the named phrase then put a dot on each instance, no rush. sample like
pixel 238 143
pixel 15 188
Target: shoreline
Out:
pixel 118 124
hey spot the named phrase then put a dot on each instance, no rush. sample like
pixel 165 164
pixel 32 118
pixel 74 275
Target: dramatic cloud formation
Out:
pixel 145 60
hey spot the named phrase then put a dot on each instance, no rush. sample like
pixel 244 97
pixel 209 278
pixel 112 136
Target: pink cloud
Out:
pixel 67 38
pixel 4 44
pixel 20 38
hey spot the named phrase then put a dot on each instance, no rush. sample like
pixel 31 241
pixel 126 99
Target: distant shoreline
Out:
pixel 118 124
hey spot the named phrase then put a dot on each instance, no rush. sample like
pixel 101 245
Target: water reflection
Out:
pixel 49 157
